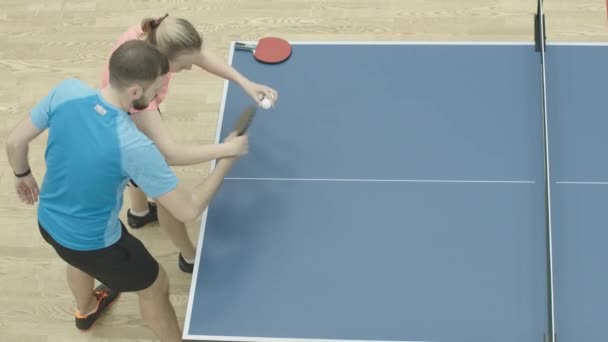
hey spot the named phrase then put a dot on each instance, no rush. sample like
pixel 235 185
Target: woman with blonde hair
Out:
pixel 179 40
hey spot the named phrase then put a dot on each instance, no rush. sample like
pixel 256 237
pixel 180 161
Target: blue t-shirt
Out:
pixel 93 149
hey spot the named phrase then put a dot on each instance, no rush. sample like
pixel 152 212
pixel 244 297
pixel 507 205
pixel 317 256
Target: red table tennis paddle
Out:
pixel 245 120
pixel 270 50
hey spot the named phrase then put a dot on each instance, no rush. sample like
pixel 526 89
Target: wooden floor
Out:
pixel 44 41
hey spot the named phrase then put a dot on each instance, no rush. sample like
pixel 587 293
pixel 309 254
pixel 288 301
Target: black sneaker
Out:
pixel 184 265
pixel 105 298
pixel 140 221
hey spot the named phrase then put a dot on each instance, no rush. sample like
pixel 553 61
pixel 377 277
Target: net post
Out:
pixel 540 40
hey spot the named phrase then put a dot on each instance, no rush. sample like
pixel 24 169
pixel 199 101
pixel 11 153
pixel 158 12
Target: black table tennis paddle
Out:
pixel 244 121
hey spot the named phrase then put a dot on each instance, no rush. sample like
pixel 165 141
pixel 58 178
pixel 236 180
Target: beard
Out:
pixel 141 103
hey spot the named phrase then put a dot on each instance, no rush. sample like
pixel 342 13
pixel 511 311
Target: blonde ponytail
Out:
pixel 149 24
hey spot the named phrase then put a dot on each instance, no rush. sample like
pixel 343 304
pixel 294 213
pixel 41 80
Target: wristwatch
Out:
pixel 21 175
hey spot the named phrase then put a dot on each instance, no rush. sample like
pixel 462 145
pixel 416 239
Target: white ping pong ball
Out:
pixel 266 103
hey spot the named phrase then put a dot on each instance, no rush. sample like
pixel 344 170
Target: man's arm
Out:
pixel 147 167
pixel 17 144
pixel 17 148
pixel 186 205
pixel 151 124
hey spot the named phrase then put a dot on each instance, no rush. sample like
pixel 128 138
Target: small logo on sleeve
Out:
pixel 100 110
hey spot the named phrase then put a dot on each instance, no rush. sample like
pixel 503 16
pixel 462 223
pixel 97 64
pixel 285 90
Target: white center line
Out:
pixel 361 180
pixel 584 183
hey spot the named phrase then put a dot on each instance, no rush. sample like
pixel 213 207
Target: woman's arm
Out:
pixel 151 124
pixel 215 65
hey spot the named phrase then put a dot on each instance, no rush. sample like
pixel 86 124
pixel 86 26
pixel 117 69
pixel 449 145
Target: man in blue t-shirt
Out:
pixel 93 150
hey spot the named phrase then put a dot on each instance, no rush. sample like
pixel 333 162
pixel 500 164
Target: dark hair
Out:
pixel 137 61
pixel 172 36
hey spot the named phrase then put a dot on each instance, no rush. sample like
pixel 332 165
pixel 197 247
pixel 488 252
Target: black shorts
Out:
pixel 124 266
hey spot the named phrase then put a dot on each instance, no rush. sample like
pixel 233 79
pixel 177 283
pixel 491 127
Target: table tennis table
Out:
pixel 397 193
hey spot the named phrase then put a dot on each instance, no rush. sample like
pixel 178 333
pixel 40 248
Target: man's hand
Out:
pixel 27 189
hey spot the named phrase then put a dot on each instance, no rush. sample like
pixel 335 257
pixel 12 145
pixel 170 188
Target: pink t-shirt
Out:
pixel 135 32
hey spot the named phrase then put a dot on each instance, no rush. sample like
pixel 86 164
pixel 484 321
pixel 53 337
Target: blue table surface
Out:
pixel 576 85
pixel 447 243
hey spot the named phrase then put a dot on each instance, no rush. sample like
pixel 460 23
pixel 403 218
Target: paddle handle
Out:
pixel 245 119
pixel 243 46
